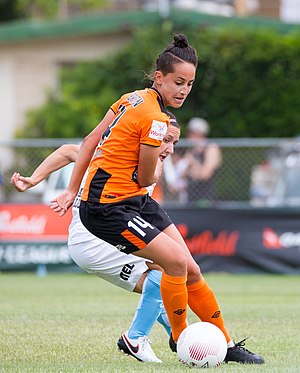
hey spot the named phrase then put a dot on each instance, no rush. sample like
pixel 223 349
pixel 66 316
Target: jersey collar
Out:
pixel 160 100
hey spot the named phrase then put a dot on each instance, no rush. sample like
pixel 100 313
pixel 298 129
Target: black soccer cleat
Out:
pixel 241 355
pixel 172 344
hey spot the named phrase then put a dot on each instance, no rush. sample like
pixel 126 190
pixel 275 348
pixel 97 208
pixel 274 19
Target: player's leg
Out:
pixel 147 312
pixel 122 225
pixel 149 308
pixel 128 272
pixel 203 302
pixel 201 298
pixel 98 257
pixel 162 249
pixel 169 255
pixel 164 320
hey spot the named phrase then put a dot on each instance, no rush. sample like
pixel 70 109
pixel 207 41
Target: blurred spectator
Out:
pixel 174 171
pixel 202 162
pixel 191 177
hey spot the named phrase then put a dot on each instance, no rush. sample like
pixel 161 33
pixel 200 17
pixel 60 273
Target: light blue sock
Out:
pixel 149 307
pixel 164 320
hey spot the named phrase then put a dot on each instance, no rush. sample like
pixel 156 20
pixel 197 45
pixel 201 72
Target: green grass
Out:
pixel 70 323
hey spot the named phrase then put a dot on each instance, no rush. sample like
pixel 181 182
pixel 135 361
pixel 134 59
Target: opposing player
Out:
pixel 116 207
pixel 105 261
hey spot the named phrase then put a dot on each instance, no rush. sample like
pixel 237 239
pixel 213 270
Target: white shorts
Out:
pixel 105 261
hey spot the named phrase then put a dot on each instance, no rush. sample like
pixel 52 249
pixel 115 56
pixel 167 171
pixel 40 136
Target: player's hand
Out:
pixel 61 203
pixel 21 183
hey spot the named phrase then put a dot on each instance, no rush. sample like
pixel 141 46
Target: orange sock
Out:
pixel 203 303
pixel 174 295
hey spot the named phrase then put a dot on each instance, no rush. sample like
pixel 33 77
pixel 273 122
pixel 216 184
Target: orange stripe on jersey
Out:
pixel 133 239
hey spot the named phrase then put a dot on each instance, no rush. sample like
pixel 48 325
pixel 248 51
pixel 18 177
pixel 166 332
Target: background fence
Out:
pixel 237 227
pixel 257 171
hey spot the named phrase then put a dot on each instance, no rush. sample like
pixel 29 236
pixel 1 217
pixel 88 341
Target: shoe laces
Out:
pixel 147 351
pixel 145 343
pixel 241 345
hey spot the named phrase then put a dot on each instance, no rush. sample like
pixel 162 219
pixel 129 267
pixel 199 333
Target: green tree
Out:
pixel 246 86
pixel 59 8
pixel 249 82
pixel 8 10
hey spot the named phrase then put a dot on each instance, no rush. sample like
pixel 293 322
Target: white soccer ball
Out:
pixel 201 345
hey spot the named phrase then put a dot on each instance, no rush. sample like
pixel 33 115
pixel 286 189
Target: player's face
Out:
pixel 175 87
pixel 171 138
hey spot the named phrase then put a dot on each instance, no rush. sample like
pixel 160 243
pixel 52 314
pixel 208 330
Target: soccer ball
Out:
pixel 201 345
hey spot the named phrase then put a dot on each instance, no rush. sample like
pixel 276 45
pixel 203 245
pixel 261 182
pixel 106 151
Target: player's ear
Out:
pixel 158 75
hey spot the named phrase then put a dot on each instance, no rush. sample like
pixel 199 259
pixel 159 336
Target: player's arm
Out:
pixel 152 130
pixel 90 142
pixel 59 158
pixel 148 166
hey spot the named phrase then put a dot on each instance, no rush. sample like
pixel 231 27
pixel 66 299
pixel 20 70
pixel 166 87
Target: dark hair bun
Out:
pixel 179 50
pixel 180 41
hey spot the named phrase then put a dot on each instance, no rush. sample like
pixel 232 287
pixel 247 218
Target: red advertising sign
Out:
pixel 241 240
pixel 30 222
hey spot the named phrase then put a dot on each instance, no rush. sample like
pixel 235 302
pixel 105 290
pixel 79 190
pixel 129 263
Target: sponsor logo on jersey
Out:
pixel 158 130
pixel 120 247
pixel 135 99
pixel 126 271
pixel 77 200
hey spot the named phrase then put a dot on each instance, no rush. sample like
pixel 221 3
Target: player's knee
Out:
pixel 194 274
pixel 177 265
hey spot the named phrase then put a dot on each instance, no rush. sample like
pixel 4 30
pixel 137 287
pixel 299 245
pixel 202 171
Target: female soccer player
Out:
pixel 115 204
pixel 96 256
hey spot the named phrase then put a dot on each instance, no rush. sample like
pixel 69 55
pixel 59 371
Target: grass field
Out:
pixel 70 323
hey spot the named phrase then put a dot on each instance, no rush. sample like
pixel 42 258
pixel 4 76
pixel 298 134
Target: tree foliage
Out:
pixel 246 86
pixel 44 9
pixel 8 10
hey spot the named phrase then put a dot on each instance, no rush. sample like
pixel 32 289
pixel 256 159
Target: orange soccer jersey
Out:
pixel 140 118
